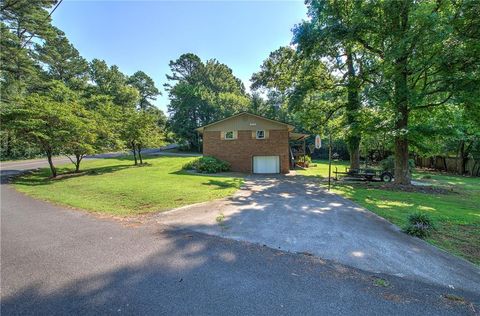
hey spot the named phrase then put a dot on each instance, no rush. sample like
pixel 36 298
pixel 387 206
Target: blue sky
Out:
pixel 146 35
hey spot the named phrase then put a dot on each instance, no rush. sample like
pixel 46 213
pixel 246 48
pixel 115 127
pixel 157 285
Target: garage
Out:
pixel 266 164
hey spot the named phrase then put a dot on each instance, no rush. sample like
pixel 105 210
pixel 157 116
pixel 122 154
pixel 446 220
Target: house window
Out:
pixel 261 134
pixel 229 135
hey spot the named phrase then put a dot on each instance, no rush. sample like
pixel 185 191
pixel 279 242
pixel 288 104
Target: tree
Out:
pixel 112 82
pixel 139 129
pixel 146 88
pixel 201 93
pixel 327 36
pixel 304 88
pixel 44 119
pixel 83 137
pixel 423 62
pixel 62 61
pixel 21 21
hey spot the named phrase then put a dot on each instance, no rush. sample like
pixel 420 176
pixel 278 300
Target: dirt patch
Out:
pixel 68 175
pixel 417 189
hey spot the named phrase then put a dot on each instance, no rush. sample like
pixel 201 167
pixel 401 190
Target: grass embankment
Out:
pixel 115 186
pixel 456 212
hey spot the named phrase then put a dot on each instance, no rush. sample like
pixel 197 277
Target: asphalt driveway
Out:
pixel 294 214
pixel 57 261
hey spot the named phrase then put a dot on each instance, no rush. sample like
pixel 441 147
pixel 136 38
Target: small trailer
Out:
pixel 365 174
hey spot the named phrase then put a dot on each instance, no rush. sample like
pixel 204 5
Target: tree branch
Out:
pixel 377 51
pixel 429 105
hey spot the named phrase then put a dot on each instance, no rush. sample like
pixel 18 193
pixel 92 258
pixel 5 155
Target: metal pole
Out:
pixel 329 160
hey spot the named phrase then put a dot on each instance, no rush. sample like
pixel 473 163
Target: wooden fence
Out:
pixel 448 164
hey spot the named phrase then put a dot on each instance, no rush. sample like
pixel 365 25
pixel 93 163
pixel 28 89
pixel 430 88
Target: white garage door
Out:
pixel 266 164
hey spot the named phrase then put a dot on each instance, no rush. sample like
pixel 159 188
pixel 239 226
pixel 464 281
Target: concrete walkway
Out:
pixel 293 214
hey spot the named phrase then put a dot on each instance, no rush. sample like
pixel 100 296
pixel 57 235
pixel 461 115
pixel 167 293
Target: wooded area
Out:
pixel 385 77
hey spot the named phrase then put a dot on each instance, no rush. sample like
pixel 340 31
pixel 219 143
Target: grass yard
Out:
pixel 115 186
pixel 456 214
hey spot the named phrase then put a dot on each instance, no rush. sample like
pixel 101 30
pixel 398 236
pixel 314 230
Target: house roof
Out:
pixel 298 136
pixel 200 129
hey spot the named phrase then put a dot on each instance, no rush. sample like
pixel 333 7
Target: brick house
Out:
pixel 250 143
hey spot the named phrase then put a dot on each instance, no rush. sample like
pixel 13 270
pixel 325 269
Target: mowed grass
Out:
pixel 456 214
pixel 115 186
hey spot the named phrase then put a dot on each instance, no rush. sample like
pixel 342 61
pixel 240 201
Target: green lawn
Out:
pixel 456 214
pixel 115 186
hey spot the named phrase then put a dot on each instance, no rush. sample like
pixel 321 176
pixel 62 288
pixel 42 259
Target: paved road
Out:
pixel 294 214
pixel 58 261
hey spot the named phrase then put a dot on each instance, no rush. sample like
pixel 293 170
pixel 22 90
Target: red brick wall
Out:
pixel 239 152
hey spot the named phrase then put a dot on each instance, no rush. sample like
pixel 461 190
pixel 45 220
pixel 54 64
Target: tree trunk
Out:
pixel 354 157
pixel 50 163
pixel 134 153
pixel 402 169
pixel 401 93
pixel 139 150
pixel 8 150
pixel 461 158
pixel 353 105
pixel 78 160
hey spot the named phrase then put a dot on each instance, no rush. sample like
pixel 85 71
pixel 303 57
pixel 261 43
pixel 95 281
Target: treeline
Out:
pixel 55 102
pixel 385 76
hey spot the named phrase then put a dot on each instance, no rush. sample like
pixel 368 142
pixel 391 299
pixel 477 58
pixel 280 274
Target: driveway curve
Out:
pixel 292 213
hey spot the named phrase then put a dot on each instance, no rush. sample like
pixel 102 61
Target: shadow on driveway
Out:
pixel 294 214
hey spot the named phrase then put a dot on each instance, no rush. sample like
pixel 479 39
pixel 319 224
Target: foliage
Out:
pixel 401 57
pixel 419 225
pixel 201 93
pixel 54 102
pixel 207 164
pixel 61 61
pixel 44 119
pixel 305 160
pixel 146 89
pixel 138 130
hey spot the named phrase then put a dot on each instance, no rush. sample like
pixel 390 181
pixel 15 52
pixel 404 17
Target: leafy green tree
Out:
pixel 422 60
pixel 139 130
pixel 201 93
pixel 304 88
pixel 327 36
pixel 44 119
pixel 112 82
pixel 146 88
pixel 84 136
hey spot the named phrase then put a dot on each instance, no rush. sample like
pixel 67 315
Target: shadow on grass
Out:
pixel 225 184
pixel 228 174
pixel 42 176
pixel 224 181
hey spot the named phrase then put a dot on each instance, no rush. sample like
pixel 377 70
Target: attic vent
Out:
pixel 253 124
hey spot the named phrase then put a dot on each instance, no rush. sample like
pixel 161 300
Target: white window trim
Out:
pixel 233 135
pixel 260 130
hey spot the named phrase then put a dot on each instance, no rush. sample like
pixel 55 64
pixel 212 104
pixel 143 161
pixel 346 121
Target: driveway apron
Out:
pixel 294 214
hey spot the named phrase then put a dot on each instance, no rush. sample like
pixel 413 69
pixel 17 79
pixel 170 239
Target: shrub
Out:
pixel 388 164
pixel 419 225
pixel 207 165
pixel 305 161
